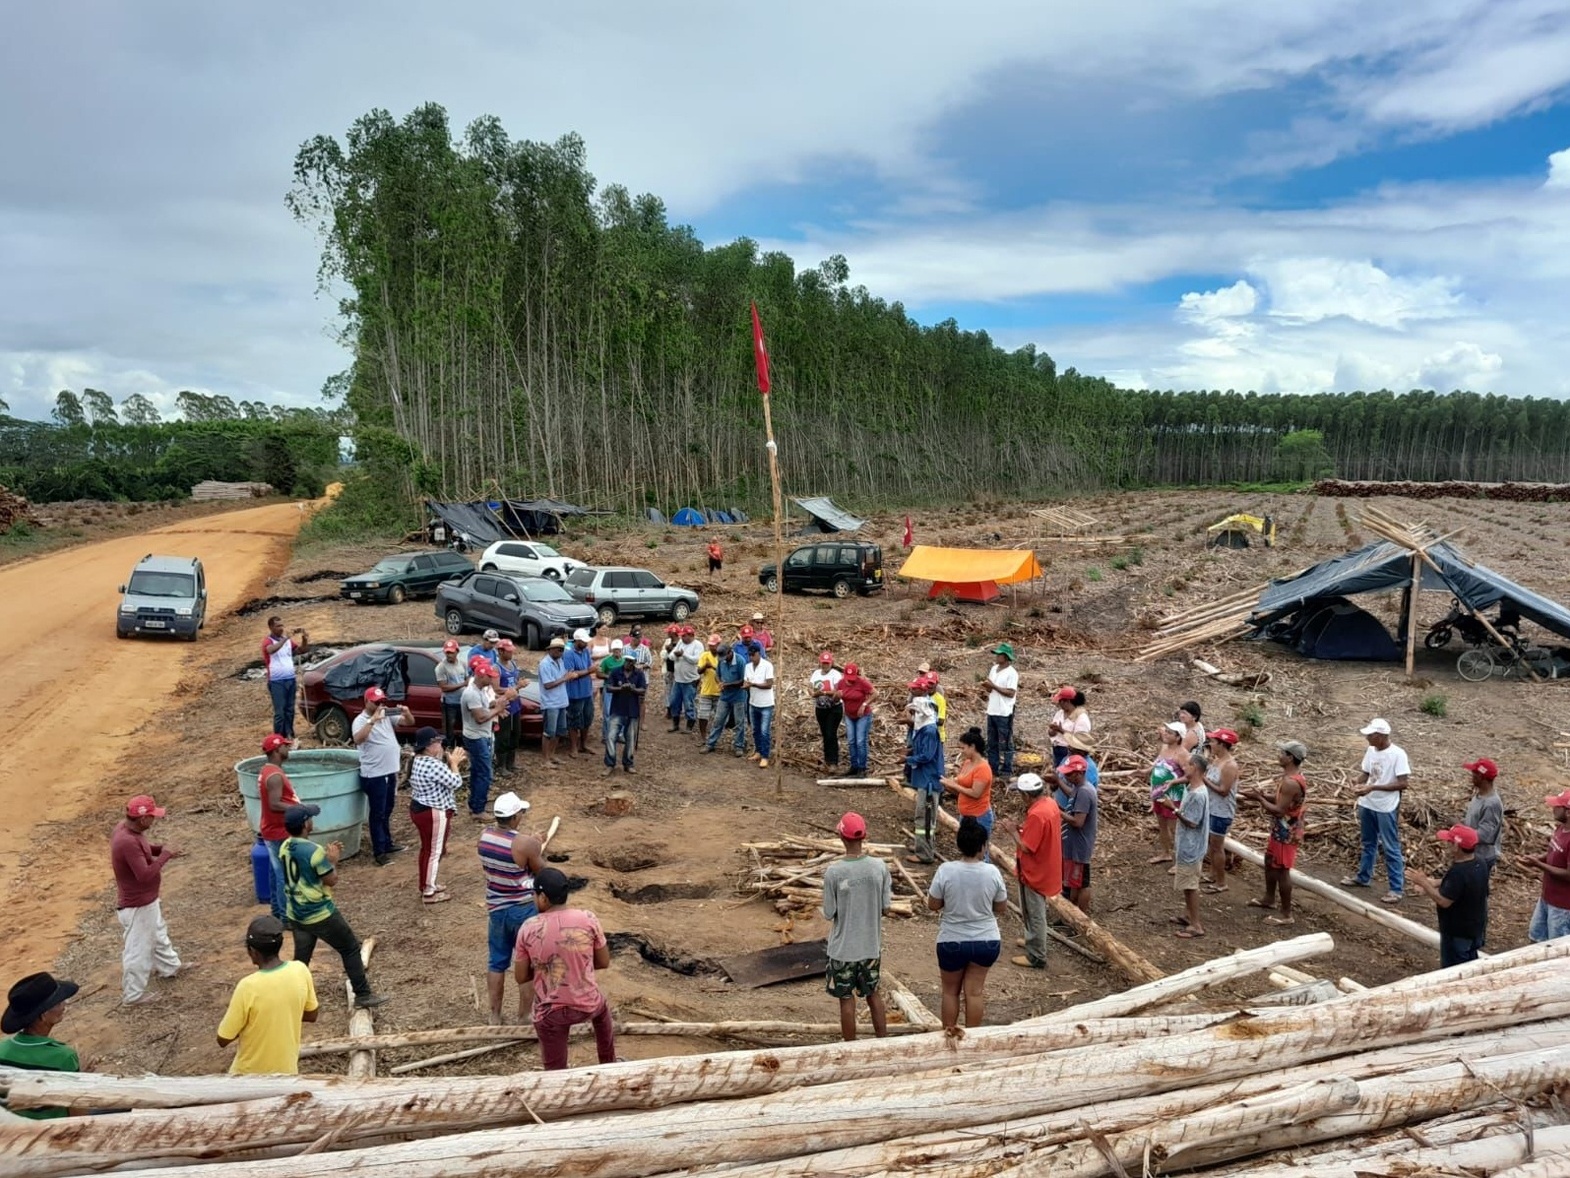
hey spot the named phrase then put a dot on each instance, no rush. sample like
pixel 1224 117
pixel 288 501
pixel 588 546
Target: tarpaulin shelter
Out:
pixel 824 516
pixel 970 574
pixel 483 522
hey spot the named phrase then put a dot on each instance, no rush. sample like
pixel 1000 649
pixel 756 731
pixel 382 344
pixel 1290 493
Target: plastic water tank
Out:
pixel 329 778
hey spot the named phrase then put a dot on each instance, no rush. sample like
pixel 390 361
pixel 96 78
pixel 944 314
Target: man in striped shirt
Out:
pixel 509 858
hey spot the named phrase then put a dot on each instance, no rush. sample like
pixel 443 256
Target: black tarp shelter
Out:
pixel 824 516
pixel 482 522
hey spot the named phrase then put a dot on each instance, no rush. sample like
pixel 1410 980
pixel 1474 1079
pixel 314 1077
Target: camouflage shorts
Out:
pixel 848 979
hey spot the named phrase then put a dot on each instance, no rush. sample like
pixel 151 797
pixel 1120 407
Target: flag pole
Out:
pixel 760 355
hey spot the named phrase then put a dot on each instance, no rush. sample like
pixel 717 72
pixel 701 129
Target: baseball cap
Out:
pixel 714 640
pixel 618 644
pixel 1176 726
pixel 558 641
pixel 826 659
pixel 745 631
pixel 505 644
pixel 1225 735
pixel 374 695
pixel 552 883
pixel 1006 649
pixel 688 632
pixel 1064 693
pixel 272 742
pixel 923 667
pixel 425 737
pixel 1373 726
pixel 1559 799
pixel 1295 749
pixel 1029 783
pixel 673 628
pixel 295 817
pixel 1482 766
pixel 757 617
pixel 509 804
pixel 490 636
pixel 852 669
pixel 852 826
pixel 143 806
pixel 580 635
pixel 1074 765
pixel 919 683
pixel 1462 836
pixel 451 646
pixel 265 933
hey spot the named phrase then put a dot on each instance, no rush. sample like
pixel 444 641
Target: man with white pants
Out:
pixel 138 874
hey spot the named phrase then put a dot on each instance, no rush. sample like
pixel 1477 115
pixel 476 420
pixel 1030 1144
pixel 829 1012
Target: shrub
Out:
pixel 1433 704
pixel 1092 574
pixel 1252 714
pixel 1120 563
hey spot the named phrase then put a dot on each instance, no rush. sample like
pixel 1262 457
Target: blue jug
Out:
pixel 262 871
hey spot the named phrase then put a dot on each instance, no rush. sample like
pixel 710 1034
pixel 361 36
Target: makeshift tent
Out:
pixel 970 574
pixel 474 523
pixel 536 517
pixel 738 515
pixel 1235 531
pixel 824 516
pixel 654 515
pixel 687 517
pixel 1334 628
pixel 483 522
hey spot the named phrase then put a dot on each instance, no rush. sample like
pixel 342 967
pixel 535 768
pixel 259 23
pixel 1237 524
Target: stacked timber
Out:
pixel 789 871
pixel 1066 520
pixel 213 489
pixel 1465 1064
pixel 14 509
pixel 1214 622
pixel 1452 489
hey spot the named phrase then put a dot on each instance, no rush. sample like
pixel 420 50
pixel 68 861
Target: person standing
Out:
pixel 708 688
pixel 1188 714
pixel 553 698
pixel 731 710
pixel 481 705
pixel 617 653
pixel 310 872
pixel 1039 863
pixel 1071 716
pixel 1381 778
pixel 269 1006
pixel 1286 829
pixel 509 859
pixel 376 739
pixel 972 780
pixel 277 795
pixel 452 676
pixel 138 875
pixel 34 1008
pixel 857 893
pixel 824 684
pixel 1191 843
pixel 716 556
pixel 433 801
pixel 1166 788
pixel 487 648
pixel 668 662
pixel 924 769
pixel 580 692
pixel 760 632
pixel 278 654
pixel 509 725
pixel 559 950
pixel 1003 683
pixel 687 652
pixel 627 686
pixel 969 895
pixel 759 677
pixel 1551 917
pixel 1221 781
pixel 855 693
pixel 1485 813
pixel 1461 897
pixel 1080 819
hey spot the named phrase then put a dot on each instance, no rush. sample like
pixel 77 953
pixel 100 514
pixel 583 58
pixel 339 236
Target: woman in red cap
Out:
pixel 1070 716
pixel 855 693
pixel 830 710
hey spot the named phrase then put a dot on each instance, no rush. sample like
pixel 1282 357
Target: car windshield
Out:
pixel 545 591
pixel 545 550
pixel 389 566
pixel 150 584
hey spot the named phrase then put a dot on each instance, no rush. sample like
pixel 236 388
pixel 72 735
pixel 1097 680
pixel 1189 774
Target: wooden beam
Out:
pixel 914 1010
pixel 1411 612
pixel 362 1063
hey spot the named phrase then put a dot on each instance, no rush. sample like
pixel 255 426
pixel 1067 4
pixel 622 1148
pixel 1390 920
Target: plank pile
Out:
pixel 789 871
pixel 213 489
pixel 1066 520
pixel 1464 1065
pixel 1214 622
pixel 1511 492
pixel 14 509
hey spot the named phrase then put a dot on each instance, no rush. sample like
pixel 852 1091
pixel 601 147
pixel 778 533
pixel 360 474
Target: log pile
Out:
pixel 1511 492
pixel 14 509
pixel 212 489
pixel 1465 1065
pixel 1066 520
pixel 789 872
pixel 1213 622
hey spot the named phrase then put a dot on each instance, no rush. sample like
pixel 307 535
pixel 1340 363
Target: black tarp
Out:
pixel 824 516
pixel 511 519
pixel 1334 628
pixel 383 667
pixel 537 517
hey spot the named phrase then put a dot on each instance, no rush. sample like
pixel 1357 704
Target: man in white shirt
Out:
pixel 759 678
pixel 1382 777
pixel 482 703
pixel 684 699
pixel 377 743
pixel 1004 681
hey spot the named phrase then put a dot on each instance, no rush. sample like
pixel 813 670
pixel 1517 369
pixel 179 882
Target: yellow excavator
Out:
pixel 1235 531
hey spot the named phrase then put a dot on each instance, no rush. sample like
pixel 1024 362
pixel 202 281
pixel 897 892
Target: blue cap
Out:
pixel 295 817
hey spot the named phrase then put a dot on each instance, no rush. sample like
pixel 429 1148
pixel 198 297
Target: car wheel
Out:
pixel 607 615
pixel 531 636
pixel 395 595
pixel 119 633
pixel 841 588
pixel 553 574
pixel 454 622
pixel 771 584
pixel 332 726
pixel 487 567
pixel 679 611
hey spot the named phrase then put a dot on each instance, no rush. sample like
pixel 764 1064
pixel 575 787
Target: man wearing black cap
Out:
pixel 558 951
pixel 268 1006
pixel 310 871
pixel 35 1005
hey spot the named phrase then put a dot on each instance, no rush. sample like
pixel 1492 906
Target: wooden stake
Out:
pixel 362 1063
pixel 774 656
pixel 1411 612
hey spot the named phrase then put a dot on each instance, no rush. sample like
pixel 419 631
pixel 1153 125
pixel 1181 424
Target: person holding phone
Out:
pixel 376 740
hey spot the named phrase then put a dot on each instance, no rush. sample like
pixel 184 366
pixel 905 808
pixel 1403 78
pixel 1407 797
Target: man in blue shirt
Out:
pixel 580 692
pixel 553 697
pixel 487 649
pixel 731 708
pixel 627 686
pixel 924 763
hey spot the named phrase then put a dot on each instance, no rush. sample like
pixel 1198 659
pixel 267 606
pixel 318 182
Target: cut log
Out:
pixel 914 1010
pixel 1480 1154
pixel 850 782
pixel 404 1069
pixel 362 1063
pixel 1316 990
pixel 1555 1165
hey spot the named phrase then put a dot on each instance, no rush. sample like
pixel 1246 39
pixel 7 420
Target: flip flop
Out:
pixel 1280 921
pixel 1212 889
pixel 1256 902
pixel 1187 934
pixel 1160 859
pixel 1183 920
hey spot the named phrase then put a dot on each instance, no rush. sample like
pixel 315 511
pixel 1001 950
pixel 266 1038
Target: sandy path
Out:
pixel 75 697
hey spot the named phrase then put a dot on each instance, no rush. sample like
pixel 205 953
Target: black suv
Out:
pixel 409 574
pixel 531 608
pixel 835 565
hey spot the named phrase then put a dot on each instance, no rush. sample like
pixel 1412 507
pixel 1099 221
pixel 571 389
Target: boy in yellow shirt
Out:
pixel 268 1006
pixel 708 686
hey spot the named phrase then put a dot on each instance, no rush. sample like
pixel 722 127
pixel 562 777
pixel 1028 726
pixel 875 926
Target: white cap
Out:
pixel 1177 726
pixel 509 804
pixel 618 644
pixel 1029 783
pixel 490 636
pixel 757 617
pixel 580 635
pixel 1373 726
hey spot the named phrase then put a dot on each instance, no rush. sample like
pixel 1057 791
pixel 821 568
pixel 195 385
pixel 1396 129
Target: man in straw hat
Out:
pixel 34 1007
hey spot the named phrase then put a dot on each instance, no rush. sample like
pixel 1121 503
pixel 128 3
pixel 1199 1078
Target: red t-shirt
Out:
pixel 855 690
pixel 1557 891
pixel 272 822
pixel 138 867
pixel 1041 848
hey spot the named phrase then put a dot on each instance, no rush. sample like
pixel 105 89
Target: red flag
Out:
pixel 910 536
pixel 760 352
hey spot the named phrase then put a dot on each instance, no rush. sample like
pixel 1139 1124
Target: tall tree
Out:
pixel 138 409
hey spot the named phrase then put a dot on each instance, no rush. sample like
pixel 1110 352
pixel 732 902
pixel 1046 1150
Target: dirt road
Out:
pixel 74 699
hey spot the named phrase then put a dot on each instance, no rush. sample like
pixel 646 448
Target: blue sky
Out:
pixel 1326 195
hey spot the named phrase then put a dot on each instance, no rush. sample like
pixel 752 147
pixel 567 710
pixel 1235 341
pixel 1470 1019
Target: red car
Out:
pixel 333 716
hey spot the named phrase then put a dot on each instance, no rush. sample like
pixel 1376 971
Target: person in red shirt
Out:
pixel 1551 919
pixel 716 557
pixel 277 794
pixel 138 874
pixel 856 692
pixel 559 951
pixel 1040 864
pixel 760 633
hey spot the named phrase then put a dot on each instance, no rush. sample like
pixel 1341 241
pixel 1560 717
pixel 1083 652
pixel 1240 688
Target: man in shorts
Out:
pixel 553 697
pixel 1080 819
pixel 708 687
pixel 1190 845
pixel 1551 918
pixel 509 860
pixel 857 893
pixel 1286 829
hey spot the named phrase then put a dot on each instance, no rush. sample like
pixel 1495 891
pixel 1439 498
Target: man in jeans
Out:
pixel 1040 866
pixel 627 686
pixel 482 703
pixel 856 692
pixel 277 796
pixel 377 744
pixel 553 698
pixel 558 951
pixel 1381 778
pixel 1461 897
pixel 732 705
pixel 278 655
pixel 452 676
pixel 684 694
pixel 310 871
pixel 1003 681
pixel 580 692
pixel 759 677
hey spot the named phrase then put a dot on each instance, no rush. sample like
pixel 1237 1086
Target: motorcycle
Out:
pixel 1471 628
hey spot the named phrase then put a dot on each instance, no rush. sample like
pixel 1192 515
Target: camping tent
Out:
pixel 970 574
pixel 824 516
pixel 1334 628
pixel 688 517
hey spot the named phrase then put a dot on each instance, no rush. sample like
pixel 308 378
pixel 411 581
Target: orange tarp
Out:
pixel 963 566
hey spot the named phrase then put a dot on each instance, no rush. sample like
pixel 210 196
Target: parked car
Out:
pixel 165 595
pixel 834 565
pixel 333 716
pixel 527 559
pixel 532 609
pixel 409 574
pixel 629 593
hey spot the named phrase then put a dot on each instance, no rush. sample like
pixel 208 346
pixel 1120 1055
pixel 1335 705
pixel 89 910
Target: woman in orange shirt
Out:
pixel 972 780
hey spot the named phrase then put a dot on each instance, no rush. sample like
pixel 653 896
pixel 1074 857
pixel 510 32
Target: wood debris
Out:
pixel 14 509
pixel 789 871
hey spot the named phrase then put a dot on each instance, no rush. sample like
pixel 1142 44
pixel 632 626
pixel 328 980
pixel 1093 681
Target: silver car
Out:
pixel 620 592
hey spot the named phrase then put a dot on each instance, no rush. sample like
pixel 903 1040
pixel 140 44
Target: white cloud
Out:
pixel 1228 303
pixel 1558 170
pixel 1307 290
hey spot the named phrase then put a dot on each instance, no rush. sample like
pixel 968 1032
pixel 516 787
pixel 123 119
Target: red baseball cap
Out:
pixel 745 631
pixel 1559 799
pixel 826 658
pixel 1225 735
pixel 480 665
pixel 450 645
pixel 143 806
pixel 273 742
pixel 688 632
pixel 852 669
pixel 852 826
pixel 1064 693
pixel 919 683
pixel 1482 766
pixel 673 628
pixel 1074 765
pixel 504 644
pixel 1462 836
pixel 374 695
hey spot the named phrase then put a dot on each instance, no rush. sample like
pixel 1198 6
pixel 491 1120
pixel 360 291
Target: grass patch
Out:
pixel 1433 704
pixel 1252 714
pixel 1093 573
pixel 1120 563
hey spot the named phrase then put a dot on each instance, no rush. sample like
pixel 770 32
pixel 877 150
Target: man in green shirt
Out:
pixel 35 1006
pixel 309 873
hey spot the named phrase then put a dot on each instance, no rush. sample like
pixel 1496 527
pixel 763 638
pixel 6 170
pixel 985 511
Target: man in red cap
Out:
pixel 277 794
pixel 452 676
pixel 376 740
pixel 1461 897
pixel 1551 917
pixel 684 696
pixel 857 894
pixel 1485 813
pixel 482 703
pixel 1081 817
pixel 824 684
pixel 138 876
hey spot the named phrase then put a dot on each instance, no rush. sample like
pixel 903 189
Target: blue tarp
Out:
pixel 687 517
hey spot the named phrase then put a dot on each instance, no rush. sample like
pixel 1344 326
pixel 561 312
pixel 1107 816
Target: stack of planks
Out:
pixel 1066 519
pixel 1456 1071
pixel 1214 621
pixel 213 489
pixel 789 871
pixel 14 509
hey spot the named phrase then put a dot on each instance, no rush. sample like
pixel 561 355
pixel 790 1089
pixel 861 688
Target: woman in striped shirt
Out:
pixel 432 782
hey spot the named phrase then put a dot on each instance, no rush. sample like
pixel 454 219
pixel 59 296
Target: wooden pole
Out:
pixel 774 655
pixel 1411 612
pixel 914 1010
pixel 362 1063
